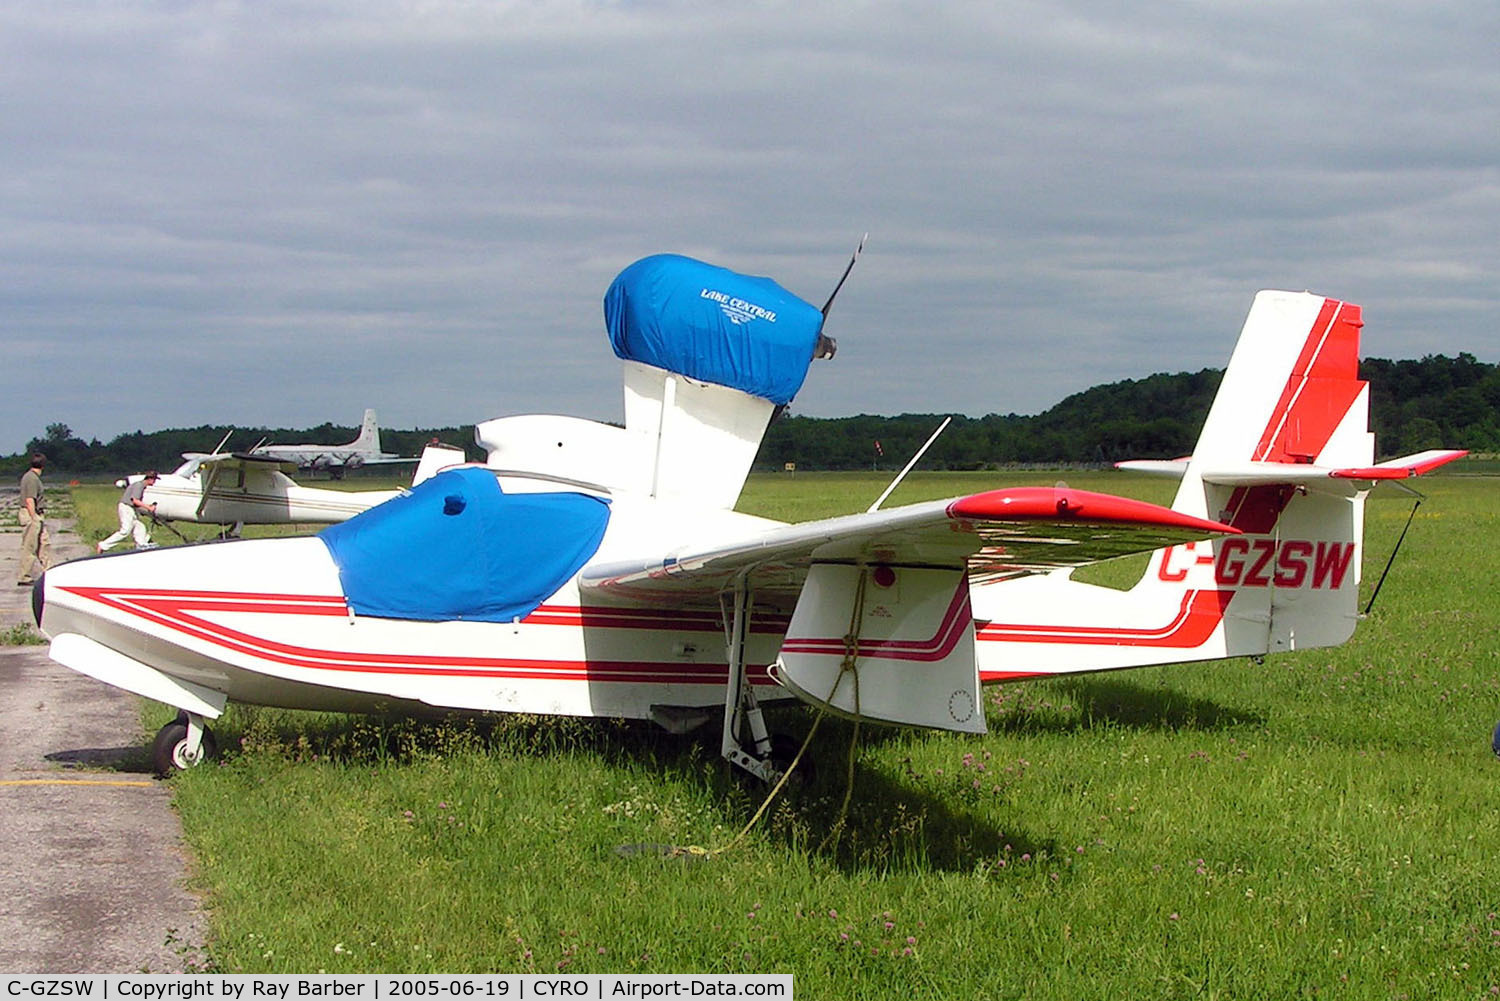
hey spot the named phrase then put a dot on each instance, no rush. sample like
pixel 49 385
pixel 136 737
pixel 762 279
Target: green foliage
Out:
pixel 21 634
pixel 1452 402
pixel 1435 402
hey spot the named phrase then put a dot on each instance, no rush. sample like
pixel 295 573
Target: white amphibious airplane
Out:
pixel 594 570
pixel 236 488
pixel 362 451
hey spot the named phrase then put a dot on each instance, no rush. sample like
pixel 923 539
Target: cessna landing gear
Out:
pixel 183 743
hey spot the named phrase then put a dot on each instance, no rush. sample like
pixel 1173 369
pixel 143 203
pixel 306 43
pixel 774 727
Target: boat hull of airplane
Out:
pixel 168 613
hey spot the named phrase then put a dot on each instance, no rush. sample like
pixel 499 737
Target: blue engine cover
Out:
pixel 712 324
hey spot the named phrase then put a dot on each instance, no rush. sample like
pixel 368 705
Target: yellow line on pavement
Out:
pixel 76 782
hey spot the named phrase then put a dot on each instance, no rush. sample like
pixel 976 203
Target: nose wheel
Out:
pixel 181 744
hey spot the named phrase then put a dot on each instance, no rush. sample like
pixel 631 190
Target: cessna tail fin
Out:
pixel 1287 457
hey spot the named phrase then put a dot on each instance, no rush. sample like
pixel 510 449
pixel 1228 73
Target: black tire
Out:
pixel 171 740
pixel 784 748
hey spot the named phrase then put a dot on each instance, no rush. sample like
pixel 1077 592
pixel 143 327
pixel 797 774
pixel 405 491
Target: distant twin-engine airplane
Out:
pixel 362 451
pixel 594 570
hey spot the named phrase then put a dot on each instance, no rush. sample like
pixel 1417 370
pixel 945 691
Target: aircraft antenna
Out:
pixel 902 475
pixel 223 441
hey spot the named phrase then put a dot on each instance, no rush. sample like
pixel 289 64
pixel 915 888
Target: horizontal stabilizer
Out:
pixel 1173 468
pixel 1405 467
pixel 1325 478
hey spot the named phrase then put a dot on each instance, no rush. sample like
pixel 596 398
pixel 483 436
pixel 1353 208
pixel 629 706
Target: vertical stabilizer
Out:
pixel 369 434
pixel 1290 411
pixel 1291 395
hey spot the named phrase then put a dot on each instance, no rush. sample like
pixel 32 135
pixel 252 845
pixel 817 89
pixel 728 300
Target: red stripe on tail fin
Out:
pixel 1322 387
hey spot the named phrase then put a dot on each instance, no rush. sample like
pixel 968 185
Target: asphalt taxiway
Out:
pixel 93 870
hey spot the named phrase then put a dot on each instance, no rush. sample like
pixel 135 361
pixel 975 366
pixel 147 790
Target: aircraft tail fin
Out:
pixel 369 434
pixel 1290 397
pixel 1286 456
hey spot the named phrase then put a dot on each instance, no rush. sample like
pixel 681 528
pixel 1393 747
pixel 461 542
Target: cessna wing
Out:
pixel 993 535
pixel 248 460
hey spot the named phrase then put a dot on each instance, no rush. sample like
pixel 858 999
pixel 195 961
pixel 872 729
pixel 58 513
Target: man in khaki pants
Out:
pixel 36 547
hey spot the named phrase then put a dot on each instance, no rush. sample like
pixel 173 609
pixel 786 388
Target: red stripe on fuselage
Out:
pixel 176 610
pixel 1193 623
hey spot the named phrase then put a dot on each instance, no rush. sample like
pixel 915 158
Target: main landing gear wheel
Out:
pixel 784 748
pixel 174 750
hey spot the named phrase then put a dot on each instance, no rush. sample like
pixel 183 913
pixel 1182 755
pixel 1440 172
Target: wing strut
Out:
pixel 212 477
pixel 902 475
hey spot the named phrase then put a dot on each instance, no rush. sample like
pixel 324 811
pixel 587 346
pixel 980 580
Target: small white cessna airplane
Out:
pixel 236 488
pixel 594 570
pixel 362 451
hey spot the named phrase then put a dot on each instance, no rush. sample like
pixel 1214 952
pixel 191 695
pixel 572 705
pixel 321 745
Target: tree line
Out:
pixel 1433 402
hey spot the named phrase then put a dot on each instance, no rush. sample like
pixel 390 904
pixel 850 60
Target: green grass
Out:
pixel 21 634
pixel 1322 824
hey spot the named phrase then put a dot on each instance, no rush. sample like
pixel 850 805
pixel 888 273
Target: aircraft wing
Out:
pixel 248 460
pixel 998 534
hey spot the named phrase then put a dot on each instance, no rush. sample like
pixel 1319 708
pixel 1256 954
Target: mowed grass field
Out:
pixel 1321 824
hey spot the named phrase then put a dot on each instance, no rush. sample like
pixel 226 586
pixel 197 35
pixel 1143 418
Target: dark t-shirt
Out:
pixel 31 486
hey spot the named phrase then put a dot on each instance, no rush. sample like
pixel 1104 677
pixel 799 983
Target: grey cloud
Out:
pixel 282 213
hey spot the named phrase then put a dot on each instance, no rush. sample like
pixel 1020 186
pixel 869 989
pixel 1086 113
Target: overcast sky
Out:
pixel 284 212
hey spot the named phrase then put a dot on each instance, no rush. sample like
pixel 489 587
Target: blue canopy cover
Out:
pixel 712 324
pixel 458 547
